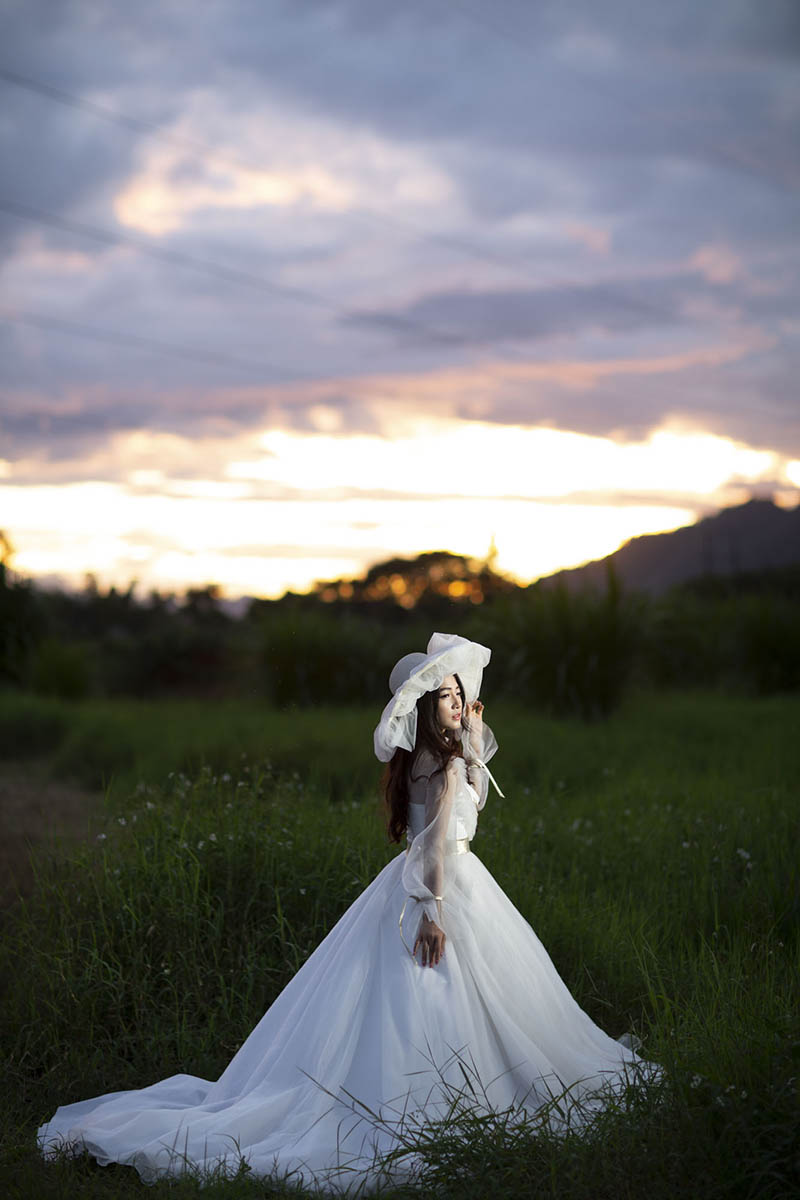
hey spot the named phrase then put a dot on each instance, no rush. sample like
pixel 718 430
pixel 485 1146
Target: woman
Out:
pixel 364 1046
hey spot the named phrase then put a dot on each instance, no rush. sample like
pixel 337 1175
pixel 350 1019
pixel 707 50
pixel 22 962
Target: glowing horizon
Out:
pixel 537 494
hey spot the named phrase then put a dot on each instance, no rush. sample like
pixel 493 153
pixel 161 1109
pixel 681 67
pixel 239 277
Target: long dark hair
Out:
pixel 400 769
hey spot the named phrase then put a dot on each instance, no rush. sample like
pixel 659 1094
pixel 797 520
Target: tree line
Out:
pixel 570 653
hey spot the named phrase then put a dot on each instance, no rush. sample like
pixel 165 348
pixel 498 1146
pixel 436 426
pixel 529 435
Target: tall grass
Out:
pixel 655 855
pixel 111 745
pixel 569 653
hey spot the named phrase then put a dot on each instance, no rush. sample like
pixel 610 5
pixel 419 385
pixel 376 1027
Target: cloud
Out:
pixel 340 219
pixel 478 317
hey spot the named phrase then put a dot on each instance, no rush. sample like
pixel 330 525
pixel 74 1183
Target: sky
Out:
pixel 289 287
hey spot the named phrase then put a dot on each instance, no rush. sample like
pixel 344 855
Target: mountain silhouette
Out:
pixel 755 536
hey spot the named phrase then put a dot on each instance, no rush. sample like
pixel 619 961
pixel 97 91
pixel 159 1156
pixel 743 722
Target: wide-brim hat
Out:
pixel 418 673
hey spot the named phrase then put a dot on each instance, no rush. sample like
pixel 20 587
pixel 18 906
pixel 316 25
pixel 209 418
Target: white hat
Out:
pixel 418 673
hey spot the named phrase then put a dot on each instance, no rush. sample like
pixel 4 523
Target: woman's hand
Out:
pixel 431 940
pixel 473 714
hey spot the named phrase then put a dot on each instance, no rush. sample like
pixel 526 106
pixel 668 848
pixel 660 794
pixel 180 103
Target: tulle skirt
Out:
pixel 364 1046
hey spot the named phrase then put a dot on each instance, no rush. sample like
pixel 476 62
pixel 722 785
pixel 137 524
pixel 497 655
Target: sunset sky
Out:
pixel 292 286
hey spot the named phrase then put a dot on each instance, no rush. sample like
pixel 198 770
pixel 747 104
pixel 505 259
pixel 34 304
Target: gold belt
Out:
pixel 461 846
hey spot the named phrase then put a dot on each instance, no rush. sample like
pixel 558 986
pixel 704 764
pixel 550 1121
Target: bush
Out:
pixel 29 728
pixel 94 752
pixel 311 657
pixel 570 653
pixel 60 669
pixel 686 641
pixel 21 623
pixel 177 656
pixel 748 641
pixel 768 643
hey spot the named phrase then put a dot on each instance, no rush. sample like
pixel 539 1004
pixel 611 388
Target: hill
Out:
pixel 755 536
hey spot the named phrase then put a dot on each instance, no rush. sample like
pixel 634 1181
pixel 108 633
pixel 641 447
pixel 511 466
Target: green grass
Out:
pixel 112 745
pixel 655 855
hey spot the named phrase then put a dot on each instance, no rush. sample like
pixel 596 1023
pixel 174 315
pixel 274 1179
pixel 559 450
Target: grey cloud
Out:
pixel 757 407
pixel 491 316
pixel 668 126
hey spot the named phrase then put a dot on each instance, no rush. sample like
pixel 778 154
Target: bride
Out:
pixel 431 993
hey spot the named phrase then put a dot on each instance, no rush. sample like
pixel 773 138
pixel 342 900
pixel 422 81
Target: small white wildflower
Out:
pixel 696 1081
pixel 743 853
pixel 212 837
pixel 200 845
pixel 685 845
pixel 226 778
pixel 149 806
pixel 101 837
pixel 116 870
pixel 302 891
pixel 575 826
pixel 184 845
pixel 230 837
pixel 743 1094
pixel 121 821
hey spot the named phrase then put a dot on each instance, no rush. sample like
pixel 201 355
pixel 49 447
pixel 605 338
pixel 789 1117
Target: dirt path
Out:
pixel 35 813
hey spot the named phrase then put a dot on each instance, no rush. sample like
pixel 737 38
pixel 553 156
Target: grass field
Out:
pixel 655 855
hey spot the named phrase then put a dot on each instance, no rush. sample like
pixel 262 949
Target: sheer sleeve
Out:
pixel 477 773
pixel 428 864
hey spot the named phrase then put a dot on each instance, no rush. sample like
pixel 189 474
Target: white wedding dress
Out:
pixel 364 1045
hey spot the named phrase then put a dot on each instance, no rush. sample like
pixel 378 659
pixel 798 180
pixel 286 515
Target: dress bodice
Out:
pixel 463 816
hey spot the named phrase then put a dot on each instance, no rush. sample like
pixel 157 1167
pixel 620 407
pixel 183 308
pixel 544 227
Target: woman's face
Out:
pixel 450 704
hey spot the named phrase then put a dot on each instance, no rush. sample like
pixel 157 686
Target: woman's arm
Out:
pixel 438 804
pixel 479 744
pixel 425 874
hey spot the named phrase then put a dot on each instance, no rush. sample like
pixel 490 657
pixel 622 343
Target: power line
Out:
pixel 132 340
pixel 220 271
pixel 208 153
pixel 173 257
pixel 520 43
pixel 389 322
pixel 385 322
